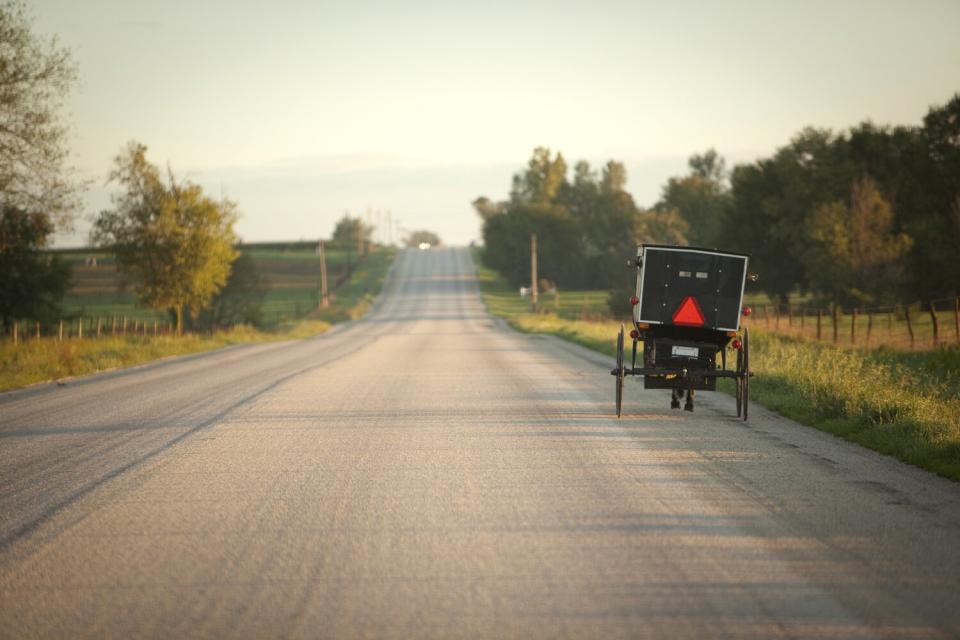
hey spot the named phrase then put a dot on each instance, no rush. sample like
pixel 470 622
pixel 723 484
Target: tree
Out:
pixel 542 181
pixel 856 257
pixel 32 284
pixel 421 235
pixel 772 200
pixel 240 300
pixel 486 208
pixel 352 232
pixel 660 226
pixel 700 198
pixel 584 228
pixel 935 223
pixel 172 241
pixel 35 77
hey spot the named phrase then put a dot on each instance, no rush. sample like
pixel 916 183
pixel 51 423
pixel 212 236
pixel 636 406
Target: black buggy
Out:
pixel 686 310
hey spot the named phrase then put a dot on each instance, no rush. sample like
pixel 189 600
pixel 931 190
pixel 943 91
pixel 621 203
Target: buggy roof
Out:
pixel 673 247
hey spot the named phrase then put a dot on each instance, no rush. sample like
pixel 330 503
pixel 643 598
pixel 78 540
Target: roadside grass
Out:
pixel 39 360
pixel 903 404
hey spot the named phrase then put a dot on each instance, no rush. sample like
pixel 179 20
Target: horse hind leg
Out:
pixel 675 398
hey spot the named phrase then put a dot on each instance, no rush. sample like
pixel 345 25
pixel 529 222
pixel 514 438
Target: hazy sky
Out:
pixel 301 110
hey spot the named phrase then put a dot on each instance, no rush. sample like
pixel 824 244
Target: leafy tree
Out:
pixel 32 284
pixel 935 222
pixel 660 226
pixel 542 181
pixel 772 201
pixel 857 259
pixel 416 237
pixel 507 244
pixel 175 243
pixel 239 302
pixel 709 166
pixel 701 198
pixel 486 208
pixel 35 77
pixel 352 232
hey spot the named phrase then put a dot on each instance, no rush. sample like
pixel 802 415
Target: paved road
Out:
pixel 428 473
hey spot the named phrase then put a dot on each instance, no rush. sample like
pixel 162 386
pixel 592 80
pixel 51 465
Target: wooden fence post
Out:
pixel 889 325
pixel 819 322
pixel 869 326
pixel 154 328
pixel 38 329
pixel 936 323
pixel 956 318
pixel 906 313
pixel 60 334
pixel 789 315
pixel 16 327
pixel 803 315
pixel 766 317
pixel 80 327
pixel 776 316
pixel 99 320
pixel 853 326
pixel 835 324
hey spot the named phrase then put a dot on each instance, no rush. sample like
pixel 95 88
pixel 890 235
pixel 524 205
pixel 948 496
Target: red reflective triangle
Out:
pixel 688 313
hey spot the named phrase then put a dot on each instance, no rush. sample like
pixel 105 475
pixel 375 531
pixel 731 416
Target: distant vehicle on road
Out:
pixel 687 310
pixel 423 246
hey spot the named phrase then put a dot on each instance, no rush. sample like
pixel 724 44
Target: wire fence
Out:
pixel 89 327
pixel 86 327
pixel 921 325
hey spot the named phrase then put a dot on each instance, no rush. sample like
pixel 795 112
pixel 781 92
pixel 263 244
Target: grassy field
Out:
pixel 904 404
pixel 290 271
pixel 33 360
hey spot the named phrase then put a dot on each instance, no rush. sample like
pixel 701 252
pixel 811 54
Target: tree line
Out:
pixel 866 216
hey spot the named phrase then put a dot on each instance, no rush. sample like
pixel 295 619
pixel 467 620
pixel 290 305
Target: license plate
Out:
pixel 686 352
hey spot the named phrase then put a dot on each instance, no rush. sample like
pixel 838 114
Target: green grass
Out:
pixel 33 360
pixel 290 272
pixel 904 404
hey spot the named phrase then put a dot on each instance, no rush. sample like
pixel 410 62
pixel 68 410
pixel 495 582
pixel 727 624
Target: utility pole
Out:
pixel 533 272
pixel 324 294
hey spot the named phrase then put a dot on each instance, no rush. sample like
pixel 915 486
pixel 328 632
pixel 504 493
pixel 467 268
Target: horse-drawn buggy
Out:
pixel 687 311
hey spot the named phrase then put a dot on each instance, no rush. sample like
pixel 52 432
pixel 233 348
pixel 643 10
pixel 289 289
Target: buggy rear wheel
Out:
pixel 619 371
pixel 739 381
pixel 746 372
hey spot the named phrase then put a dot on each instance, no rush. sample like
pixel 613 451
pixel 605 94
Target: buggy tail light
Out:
pixel 747 311
pixel 634 300
pixel 736 344
pixel 635 334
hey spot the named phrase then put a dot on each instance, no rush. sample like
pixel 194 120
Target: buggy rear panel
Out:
pixel 685 287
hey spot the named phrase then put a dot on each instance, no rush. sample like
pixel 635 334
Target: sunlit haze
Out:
pixel 300 111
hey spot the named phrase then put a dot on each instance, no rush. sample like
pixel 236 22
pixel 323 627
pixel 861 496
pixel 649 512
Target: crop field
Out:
pixel 290 272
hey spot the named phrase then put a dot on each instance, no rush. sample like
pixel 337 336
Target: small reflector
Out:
pixel 689 313
pixel 643 325
pixel 635 334
pixel 634 300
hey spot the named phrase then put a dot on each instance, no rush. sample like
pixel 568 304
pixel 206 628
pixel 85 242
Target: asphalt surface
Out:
pixel 428 473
